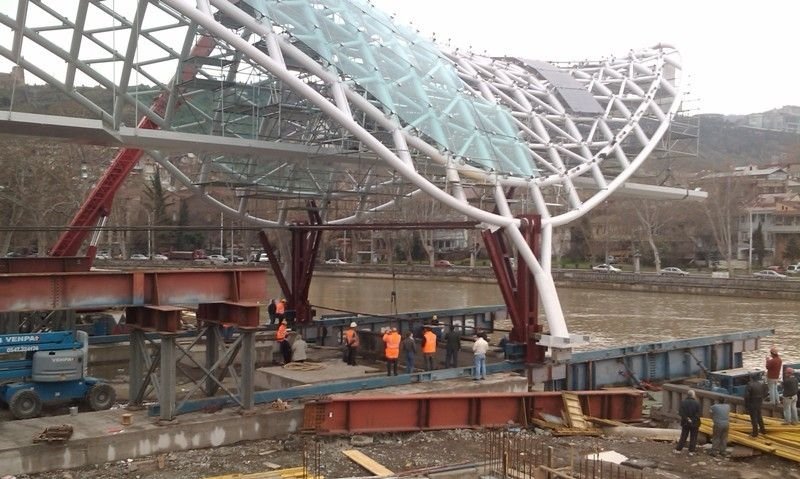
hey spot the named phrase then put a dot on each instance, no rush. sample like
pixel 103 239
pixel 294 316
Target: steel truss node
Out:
pixel 382 113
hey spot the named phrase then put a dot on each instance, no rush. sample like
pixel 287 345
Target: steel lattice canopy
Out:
pixel 332 101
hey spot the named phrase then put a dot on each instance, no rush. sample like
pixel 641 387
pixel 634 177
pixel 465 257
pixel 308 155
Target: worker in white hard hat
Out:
pixel 351 344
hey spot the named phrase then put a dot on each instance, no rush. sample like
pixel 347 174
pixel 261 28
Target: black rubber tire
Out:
pixel 101 397
pixel 25 404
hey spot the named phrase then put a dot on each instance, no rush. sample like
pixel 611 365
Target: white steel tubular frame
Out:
pixel 580 146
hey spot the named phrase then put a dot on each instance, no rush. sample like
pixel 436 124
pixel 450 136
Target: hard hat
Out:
pixel 435 317
pixel 394 329
pixel 283 300
pixel 353 324
pixel 773 350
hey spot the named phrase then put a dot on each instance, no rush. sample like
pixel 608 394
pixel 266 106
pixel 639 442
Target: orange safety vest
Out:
pixel 280 308
pixel 281 334
pixel 392 341
pixel 351 338
pixel 430 342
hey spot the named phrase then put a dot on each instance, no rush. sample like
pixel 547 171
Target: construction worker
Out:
pixel 283 344
pixel 428 347
pixel 351 344
pixel 391 341
pixel 280 309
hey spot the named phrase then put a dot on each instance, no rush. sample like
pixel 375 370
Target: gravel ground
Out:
pixel 413 451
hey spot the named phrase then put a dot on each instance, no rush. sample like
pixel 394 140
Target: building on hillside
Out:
pixel 786 118
pixel 779 218
pixel 762 180
pixel 15 78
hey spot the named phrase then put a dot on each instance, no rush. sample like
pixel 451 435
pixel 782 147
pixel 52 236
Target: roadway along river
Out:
pixel 610 318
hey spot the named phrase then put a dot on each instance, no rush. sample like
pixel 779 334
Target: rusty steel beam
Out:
pixel 419 412
pixel 45 264
pixel 108 289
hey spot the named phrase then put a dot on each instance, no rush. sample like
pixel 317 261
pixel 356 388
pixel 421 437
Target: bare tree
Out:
pixel 652 220
pixel 723 208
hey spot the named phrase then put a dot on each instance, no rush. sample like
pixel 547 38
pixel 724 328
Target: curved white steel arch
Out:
pixel 567 147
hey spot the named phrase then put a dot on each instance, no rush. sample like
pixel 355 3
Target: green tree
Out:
pixel 186 240
pixel 758 246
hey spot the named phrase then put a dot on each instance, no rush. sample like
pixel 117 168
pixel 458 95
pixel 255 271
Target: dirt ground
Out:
pixel 417 451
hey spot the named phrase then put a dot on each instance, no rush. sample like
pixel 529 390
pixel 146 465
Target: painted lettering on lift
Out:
pixel 27 338
pixel 21 349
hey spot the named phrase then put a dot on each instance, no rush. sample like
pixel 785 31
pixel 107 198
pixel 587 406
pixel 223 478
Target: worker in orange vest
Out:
pixel 280 309
pixel 428 348
pixel 283 344
pixel 391 339
pixel 351 344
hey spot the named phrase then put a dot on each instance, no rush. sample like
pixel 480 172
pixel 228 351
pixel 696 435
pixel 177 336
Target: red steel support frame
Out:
pixel 519 291
pixel 153 297
pixel 419 412
pixel 304 248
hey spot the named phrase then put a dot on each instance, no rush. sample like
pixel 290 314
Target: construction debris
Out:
pixel 573 423
pixel 367 463
pixel 649 433
pixel 290 473
pixel 573 412
pixel 54 434
pixel 782 440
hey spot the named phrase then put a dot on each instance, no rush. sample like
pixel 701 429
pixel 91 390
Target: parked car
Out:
pixel 263 258
pixel 442 263
pixel 160 257
pixel 235 259
pixel 138 257
pixel 217 258
pixel 793 269
pixel 335 261
pixel 673 271
pixel 102 255
pixel 769 274
pixel 606 268
pixel 777 269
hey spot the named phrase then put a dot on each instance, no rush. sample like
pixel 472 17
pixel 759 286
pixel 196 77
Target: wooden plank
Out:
pixel 367 462
pixel 573 411
pixel 605 422
pixel 292 472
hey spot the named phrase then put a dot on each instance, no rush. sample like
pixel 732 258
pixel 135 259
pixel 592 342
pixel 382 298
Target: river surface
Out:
pixel 610 318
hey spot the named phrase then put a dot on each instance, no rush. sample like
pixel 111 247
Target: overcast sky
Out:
pixel 741 56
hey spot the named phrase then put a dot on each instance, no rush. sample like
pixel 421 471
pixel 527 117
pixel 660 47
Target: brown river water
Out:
pixel 610 318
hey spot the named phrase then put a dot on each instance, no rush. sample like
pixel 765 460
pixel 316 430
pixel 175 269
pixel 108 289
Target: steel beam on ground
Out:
pixel 106 289
pixel 419 412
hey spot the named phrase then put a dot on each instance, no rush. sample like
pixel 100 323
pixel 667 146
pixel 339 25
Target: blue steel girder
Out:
pixel 660 361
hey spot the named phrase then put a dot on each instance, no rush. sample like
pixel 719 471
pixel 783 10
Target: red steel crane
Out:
pixel 95 209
